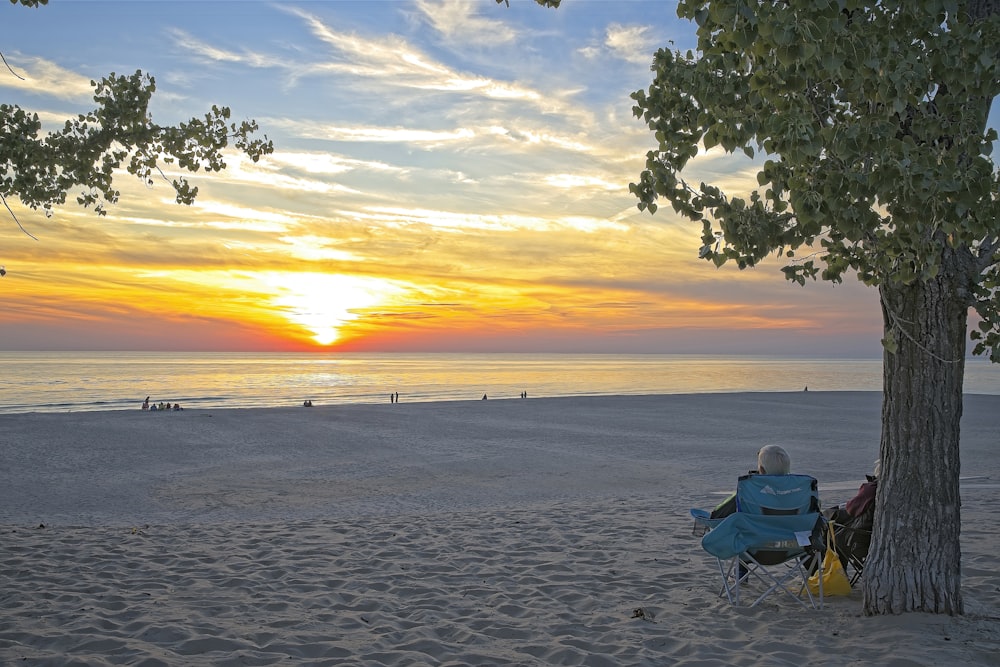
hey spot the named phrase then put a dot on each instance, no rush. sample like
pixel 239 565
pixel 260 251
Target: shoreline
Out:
pixel 89 382
pixel 193 403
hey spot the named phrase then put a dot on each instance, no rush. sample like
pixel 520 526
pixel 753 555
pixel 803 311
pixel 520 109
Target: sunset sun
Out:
pixel 322 304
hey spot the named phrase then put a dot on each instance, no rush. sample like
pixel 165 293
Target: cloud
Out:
pixel 235 212
pixel 391 134
pixel 204 51
pixel 43 77
pixel 528 136
pixel 325 163
pixel 634 43
pixel 571 181
pixel 318 248
pixel 460 21
pixel 272 176
pixel 631 43
pixel 393 62
pixel 487 222
pixel 379 67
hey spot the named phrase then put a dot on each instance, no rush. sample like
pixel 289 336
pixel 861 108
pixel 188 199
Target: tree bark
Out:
pixel 915 559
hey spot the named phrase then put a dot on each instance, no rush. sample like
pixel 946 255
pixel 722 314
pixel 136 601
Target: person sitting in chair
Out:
pixel 862 503
pixel 853 522
pixel 771 460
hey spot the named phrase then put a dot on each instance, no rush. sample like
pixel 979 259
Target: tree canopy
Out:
pixel 872 118
pixel 85 154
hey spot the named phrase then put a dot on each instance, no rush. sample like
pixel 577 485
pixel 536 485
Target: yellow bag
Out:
pixel 835 581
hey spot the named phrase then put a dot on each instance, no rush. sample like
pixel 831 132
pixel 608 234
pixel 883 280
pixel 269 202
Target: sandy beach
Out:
pixel 500 532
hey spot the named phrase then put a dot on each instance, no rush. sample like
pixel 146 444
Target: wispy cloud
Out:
pixel 634 43
pixel 325 163
pixel 43 77
pixel 461 21
pixel 204 51
pixel 455 221
pixel 495 136
pixel 393 62
pixel 571 181
pixel 385 134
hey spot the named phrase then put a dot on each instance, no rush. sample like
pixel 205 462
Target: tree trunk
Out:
pixel 915 559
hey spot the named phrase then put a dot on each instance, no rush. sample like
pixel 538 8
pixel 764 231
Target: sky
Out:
pixel 448 175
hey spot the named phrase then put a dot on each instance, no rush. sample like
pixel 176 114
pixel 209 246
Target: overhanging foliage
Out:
pixel 871 119
pixel 85 154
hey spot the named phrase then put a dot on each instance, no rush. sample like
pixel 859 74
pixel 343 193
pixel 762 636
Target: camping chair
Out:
pixel 854 533
pixel 854 538
pixel 774 537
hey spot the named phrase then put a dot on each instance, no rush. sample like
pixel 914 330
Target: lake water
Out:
pixel 62 381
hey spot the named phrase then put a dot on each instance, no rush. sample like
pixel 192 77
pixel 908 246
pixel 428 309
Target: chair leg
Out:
pixel 734 575
pixel 736 572
pixel 859 569
pixel 797 570
pixel 725 582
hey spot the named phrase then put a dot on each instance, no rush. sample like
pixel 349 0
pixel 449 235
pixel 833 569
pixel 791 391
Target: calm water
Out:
pixel 60 381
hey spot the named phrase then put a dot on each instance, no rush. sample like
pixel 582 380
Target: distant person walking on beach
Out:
pixel 484 397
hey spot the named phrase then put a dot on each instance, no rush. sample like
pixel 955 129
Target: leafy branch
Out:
pixel 86 152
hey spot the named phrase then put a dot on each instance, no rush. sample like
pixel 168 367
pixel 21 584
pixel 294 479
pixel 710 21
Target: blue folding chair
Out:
pixel 774 537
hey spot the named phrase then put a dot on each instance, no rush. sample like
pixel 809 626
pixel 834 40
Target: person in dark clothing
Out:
pixel 853 523
pixel 862 503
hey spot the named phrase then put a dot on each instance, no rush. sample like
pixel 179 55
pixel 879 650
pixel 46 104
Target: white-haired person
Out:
pixel 771 460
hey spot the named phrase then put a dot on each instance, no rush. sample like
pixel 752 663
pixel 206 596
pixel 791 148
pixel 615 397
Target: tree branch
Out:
pixel 7 206
pixel 9 68
pixel 897 325
pixel 986 250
